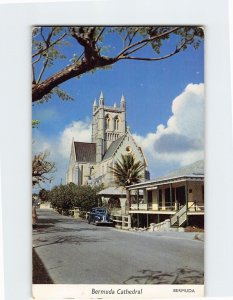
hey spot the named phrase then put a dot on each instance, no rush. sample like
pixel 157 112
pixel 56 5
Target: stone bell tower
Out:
pixel 108 124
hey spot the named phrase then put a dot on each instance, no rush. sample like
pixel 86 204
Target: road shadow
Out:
pixel 180 276
pixel 64 239
pixel 41 227
pixel 39 272
pixel 46 228
pixel 49 220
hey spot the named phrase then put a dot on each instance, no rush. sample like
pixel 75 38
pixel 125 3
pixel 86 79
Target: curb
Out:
pixel 199 237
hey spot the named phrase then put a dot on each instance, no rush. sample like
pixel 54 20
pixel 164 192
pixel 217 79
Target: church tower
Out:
pixel 108 124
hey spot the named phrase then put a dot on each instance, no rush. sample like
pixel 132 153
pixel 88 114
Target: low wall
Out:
pixel 164 226
pixel 45 205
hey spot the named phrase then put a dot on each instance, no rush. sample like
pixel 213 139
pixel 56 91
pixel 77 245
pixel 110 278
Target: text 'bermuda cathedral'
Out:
pixel 89 162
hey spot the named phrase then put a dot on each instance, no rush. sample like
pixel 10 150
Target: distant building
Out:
pixel 89 162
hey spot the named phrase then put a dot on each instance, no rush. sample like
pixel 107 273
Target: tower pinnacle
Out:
pixel 95 105
pixel 101 99
pixel 122 104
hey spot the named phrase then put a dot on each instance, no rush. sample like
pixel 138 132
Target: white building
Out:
pixel 89 162
pixel 177 197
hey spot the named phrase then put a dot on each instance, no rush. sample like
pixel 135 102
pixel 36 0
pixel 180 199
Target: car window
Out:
pixel 101 211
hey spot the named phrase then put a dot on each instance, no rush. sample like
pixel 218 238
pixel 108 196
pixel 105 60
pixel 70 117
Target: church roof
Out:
pixel 113 147
pixel 85 152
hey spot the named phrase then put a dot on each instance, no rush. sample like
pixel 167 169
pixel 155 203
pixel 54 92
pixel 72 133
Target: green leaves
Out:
pixel 35 123
pixel 127 171
pixel 71 195
pixel 63 95
pixel 43 195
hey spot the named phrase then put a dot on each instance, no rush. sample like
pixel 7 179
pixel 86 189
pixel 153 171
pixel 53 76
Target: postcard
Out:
pixel 118 161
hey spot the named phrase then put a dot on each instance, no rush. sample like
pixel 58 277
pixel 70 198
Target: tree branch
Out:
pixel 158 58
pixel 147 40
pixel 101 32
pixel 43 88
pixel 43 69
pixel 87 41
pixel 33 75
pixel 51 45
pixel 136 49
pixel 36 61
pixel 131 38
pixel 41 33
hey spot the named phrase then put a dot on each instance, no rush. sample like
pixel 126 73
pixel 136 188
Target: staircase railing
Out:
pixel 180 217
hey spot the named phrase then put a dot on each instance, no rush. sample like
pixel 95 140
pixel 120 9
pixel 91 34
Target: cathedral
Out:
pixel 89 162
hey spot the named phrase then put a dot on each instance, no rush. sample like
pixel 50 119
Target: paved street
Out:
pixel 75 252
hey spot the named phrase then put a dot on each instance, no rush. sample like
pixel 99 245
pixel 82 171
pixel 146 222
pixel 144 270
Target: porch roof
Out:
pixel 155 183
pixel 192 172
pixel 112 190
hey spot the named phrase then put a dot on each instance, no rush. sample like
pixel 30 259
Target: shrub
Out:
pixel 66 197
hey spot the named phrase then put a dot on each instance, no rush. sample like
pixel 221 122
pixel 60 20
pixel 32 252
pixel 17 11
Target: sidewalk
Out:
pixel 171 234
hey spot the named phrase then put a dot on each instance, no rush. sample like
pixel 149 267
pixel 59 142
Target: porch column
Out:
pixel 128 197
pixel 138 198
pixel 186 200
pixel 145 197
pixel 176 202
pixel 170 187
pixel 158 197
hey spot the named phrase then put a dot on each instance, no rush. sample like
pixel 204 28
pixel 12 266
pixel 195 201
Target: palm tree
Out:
pixel 127 172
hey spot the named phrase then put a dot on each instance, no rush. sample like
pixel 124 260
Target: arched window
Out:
pixel 116 123
pixel 107 122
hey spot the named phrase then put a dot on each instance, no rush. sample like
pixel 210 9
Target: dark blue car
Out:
pixel 100 215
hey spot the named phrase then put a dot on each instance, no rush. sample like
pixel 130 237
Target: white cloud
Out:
pixel 59 147
pixel 41 143
pixel 79 131
pixel 181 141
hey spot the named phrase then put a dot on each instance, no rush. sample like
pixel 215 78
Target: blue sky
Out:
pixel 150 89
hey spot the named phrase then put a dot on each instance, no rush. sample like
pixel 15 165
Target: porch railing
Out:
pixel 196 207
pixel 141 206
pixel 144 206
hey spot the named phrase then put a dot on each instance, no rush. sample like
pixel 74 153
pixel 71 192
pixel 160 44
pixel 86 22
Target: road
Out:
pixel 75 252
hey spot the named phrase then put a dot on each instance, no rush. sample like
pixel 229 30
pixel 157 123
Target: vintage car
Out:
pixel 100 215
